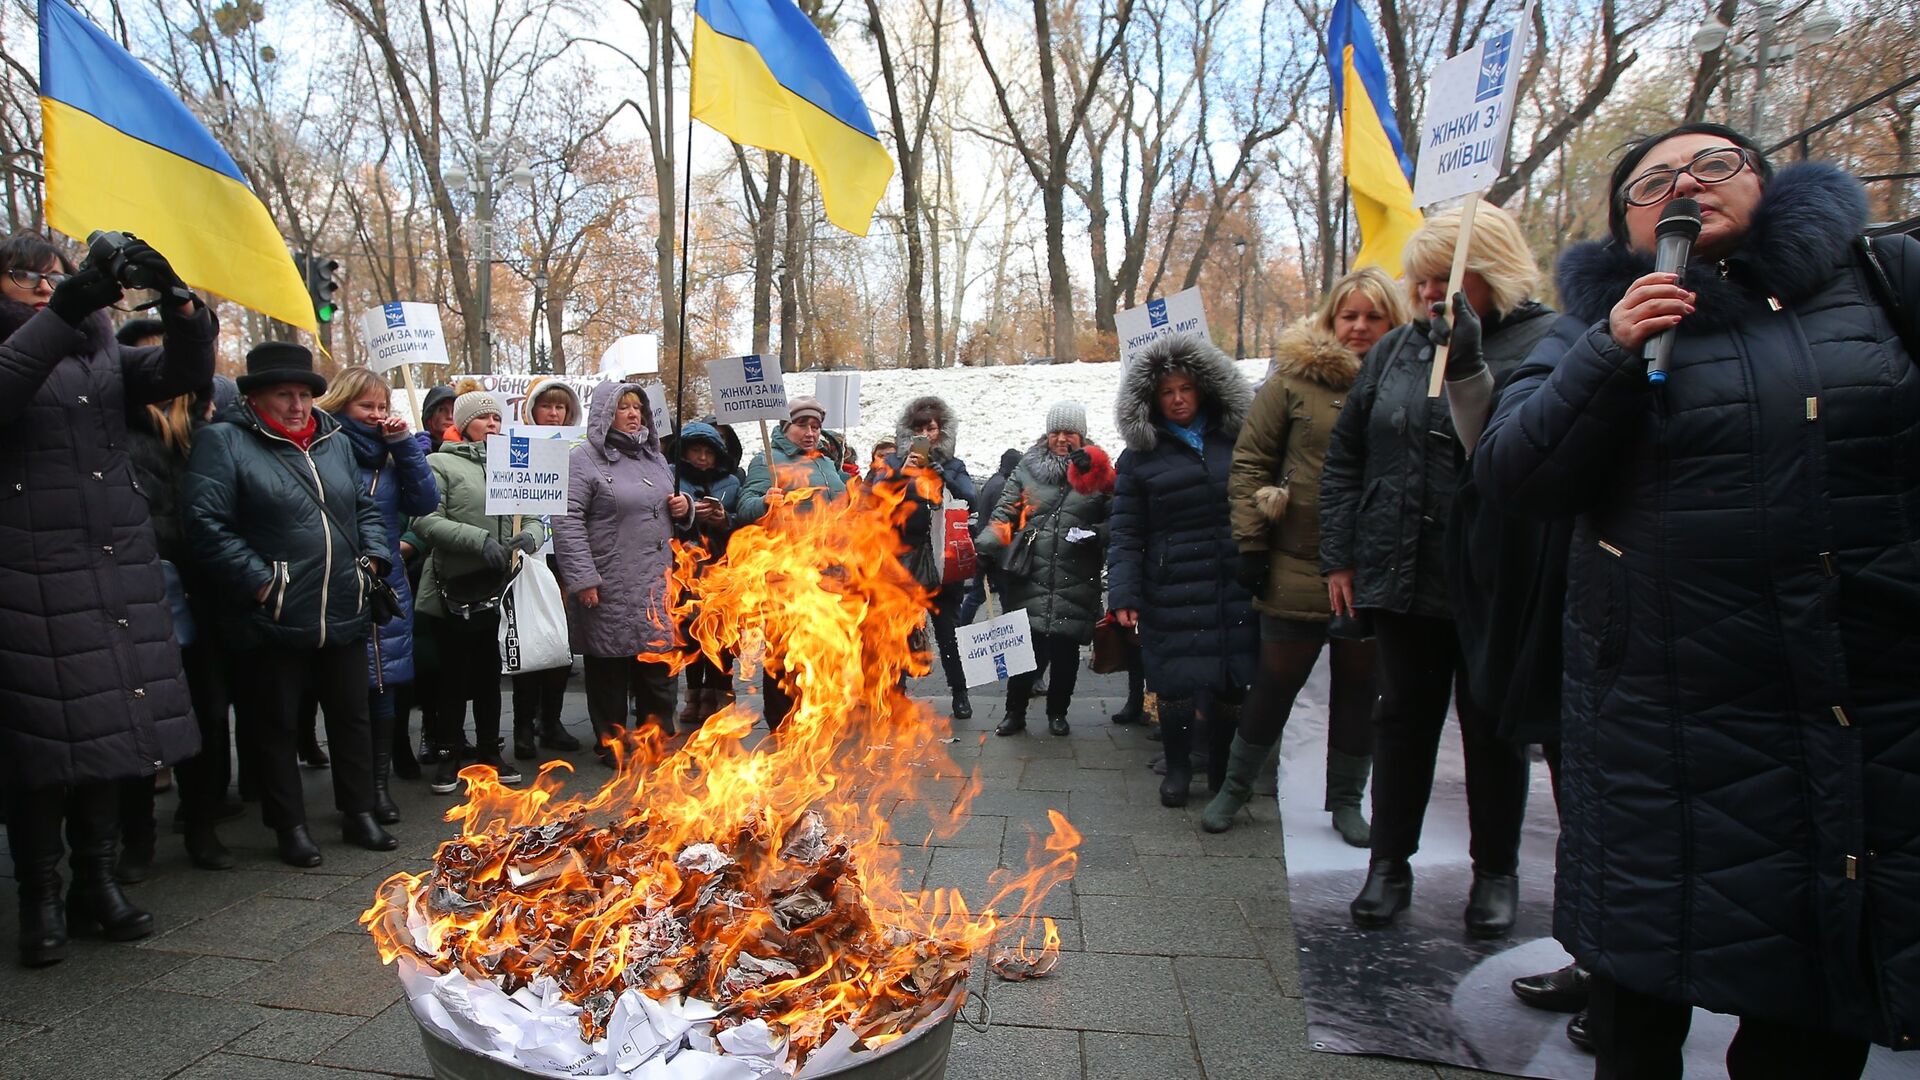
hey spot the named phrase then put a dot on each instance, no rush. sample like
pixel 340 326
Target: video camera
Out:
pixel 108 250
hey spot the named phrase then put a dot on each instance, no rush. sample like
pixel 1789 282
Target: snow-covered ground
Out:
pixel 998 407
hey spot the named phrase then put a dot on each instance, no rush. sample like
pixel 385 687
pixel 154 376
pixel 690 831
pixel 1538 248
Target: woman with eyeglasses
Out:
pixel 1740 758
pixel 91 688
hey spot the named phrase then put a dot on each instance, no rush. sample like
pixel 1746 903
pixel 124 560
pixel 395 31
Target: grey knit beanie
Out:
pixel 475 403
pixel 1067 416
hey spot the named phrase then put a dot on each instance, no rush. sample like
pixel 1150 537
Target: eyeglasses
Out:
pixel 31 279
pixel 1715 166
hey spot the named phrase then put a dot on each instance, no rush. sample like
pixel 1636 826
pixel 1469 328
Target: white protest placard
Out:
pixel 635 354
pixel 747 388
pixel 1139 327
pixel 1463 136
pixel 526 476
pixel 403 333
pixel 997 649
pixel 840 394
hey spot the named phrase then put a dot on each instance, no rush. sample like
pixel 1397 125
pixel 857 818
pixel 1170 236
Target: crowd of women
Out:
pixel 1695 596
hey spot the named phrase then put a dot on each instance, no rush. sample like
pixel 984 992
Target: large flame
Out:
pixel 764 880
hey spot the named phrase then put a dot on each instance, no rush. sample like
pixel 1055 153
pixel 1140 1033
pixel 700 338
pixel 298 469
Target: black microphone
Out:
pixel 1673 239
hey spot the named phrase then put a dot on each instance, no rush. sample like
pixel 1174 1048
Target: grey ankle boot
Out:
pixel 1244 761
pixel 1346 784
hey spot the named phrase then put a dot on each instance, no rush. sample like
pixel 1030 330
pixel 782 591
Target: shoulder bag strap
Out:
pixel 1888 295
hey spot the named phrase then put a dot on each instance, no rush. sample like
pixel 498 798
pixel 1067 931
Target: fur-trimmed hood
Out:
pixel 1225 395
pixel 97 328
pixel 540 386
pixel 1305 351
pixel 949 426
pixel 1800 232
pixel 606 400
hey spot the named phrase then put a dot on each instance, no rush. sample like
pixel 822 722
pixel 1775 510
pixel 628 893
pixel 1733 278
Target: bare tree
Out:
pixel 909 141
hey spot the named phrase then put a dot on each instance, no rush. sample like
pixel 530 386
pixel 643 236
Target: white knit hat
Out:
pixel 1067 416
pixel 475 403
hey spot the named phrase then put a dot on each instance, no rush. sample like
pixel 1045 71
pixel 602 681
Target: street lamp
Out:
pixel 536 333
pixel 1240 313
pixel 1775 44
pixel 494 175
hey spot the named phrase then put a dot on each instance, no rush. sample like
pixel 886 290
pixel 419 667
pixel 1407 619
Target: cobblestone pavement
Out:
pixel 1181 957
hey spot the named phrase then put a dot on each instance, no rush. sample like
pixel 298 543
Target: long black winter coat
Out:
pixel 90 680
pixel 1393 464
pixel 1172 555
pixel 1740 791
pixel 253 517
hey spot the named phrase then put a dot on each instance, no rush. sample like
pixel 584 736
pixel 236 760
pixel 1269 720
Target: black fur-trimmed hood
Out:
pixel 97 328
pixel 949 425
pixel 1801 230
pixel 1225 395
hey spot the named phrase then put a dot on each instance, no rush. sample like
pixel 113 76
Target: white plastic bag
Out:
pixel 533 621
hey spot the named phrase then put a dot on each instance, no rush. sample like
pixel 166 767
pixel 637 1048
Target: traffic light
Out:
pixel 321 274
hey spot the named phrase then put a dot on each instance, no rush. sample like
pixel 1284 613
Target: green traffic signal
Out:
pixel 326 312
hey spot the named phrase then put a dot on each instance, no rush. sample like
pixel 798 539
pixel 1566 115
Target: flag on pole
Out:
pixel 1373 158
pixel 123 153
pixel 763 76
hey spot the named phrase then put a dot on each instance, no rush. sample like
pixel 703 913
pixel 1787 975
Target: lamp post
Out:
pixel 536 332
pixel 494 175
pixel 1775 42
pixel 1240 306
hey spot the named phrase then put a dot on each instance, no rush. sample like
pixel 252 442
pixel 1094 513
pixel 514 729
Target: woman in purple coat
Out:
pixel 614 551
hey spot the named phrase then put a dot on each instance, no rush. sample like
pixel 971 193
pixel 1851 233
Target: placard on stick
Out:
pixel 526 476
pixel 840 393
pixel 635 354
pixel 1139 327
pixel 997 649
pixel 403 333
pixel 747 388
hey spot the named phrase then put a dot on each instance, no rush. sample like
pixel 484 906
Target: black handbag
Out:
pixel 1022 552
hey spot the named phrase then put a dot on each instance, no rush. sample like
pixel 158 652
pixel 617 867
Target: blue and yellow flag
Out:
pixel 1375 162
pixel 122 153
pixel 763 76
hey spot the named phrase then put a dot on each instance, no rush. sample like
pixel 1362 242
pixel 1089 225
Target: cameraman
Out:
pixel 91 690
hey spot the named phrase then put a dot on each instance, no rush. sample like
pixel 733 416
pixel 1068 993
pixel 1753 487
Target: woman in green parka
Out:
pixel 1274 489
pixel 1060 493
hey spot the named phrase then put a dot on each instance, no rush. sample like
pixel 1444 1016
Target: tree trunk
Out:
pixel 766 232
pixel 790 276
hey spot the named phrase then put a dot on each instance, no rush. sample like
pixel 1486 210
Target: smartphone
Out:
pixel 920 446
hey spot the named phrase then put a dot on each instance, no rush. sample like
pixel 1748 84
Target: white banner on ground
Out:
pixel 1463 136
pixel 747 388
pixel 635 354
pixel 1139 327
pixel 403 333
pixel 998 649
pixel 526 476
pixel 840 393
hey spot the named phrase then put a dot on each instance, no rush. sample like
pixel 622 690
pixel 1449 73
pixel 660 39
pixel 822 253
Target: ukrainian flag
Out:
pixel 124 153
pixel 1375 162
pixel 763 76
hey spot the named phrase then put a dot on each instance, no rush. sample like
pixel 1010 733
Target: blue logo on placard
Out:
pixel 1494 57
pixel 1156 313
pixel 750 366
pixel 1000 665
pixel 519 452
pixel 396 315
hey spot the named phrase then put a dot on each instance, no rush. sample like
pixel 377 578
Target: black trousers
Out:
pixel 1060 652
pixel 946 616
pixel 1419 660
pixel 1638 1037
pixel 704 674
pixel 1284 669
pixel 469 651
pixel 623 692
pixel 538 696
pixel 775 702
pixel 268 684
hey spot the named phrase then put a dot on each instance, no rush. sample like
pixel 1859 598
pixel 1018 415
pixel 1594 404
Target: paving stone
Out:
pixel 1003 1050
pixel 389 1043
pixel 209 976
pixel 241 1067
pixel 1166 926
pixel 10 1031
pixel 1251 879
pixel 259 928
pixel 1095 992
pixel 1155 1056
pixel 295 1035
pixel 93 971
pixel 971 870
pixel 339 973
pixel 1066 774
pixel 143 1034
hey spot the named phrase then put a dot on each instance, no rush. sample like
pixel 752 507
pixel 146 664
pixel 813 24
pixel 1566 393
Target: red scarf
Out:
pixel 301 439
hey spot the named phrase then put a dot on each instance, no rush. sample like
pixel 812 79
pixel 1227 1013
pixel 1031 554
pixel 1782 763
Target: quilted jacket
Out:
pixel 1740 785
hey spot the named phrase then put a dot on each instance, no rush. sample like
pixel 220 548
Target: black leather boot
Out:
pixel 33 835
pixel 297 847
pixel 523 747
pixel 95 900
pixel 962 705
pixel 1387 892
pixel 405 765
pixel 1492 904
pixel 384 811
pixel 1563 990
pixel 361 830
pixel 1176 737
pixel 555 737
pixel 204 848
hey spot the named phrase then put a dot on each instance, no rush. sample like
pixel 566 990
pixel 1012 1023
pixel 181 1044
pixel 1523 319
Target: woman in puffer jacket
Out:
pixel 1276 520
pixel 1061 493
pixel 1170 568
pixel 393 467
pixel 706 475
pixel 539 695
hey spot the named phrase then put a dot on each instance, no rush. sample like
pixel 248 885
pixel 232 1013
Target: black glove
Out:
pixel 86 292
pixel 1461 336
pixel 528 541
pixel 1252 571
pixel 494 555
pixel 141 254
pixel 1081 460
